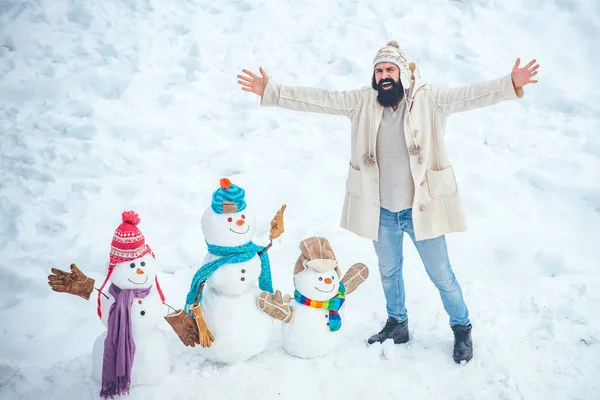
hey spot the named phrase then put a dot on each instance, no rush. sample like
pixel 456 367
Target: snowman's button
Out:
pixel 143 312
pixel 326 316
pixel 242 278
pixel 243 271
pixel 139 302
pixel 328 324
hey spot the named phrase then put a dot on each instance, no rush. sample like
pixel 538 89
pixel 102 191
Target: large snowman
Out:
pixel 313 317
pixel 223 293
pixel 133 350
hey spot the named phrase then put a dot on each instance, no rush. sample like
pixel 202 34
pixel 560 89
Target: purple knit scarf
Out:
pixel 119 347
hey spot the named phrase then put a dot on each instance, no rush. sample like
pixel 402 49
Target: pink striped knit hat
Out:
pixel 128 244
pixel 128 241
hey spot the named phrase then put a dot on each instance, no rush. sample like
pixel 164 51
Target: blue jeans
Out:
pixel 434 255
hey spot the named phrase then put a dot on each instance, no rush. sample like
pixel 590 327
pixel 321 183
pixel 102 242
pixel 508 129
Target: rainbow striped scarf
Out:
pixel 333 305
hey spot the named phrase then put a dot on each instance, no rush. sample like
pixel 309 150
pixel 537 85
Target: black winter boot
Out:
pixel 392 330
pixel 463 344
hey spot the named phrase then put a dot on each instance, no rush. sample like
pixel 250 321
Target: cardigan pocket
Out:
pixel 441 183
pixel 353 181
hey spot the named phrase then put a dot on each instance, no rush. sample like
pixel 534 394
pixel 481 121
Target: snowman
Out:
pixel 223 293
pixel 313 318
pixel 133 350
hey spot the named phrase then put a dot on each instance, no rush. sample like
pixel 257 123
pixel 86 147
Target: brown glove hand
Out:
pixel 76 282
pixel 275 306
pixel 206 338
pixel 184 326
pixel 354 277
pixel 277 224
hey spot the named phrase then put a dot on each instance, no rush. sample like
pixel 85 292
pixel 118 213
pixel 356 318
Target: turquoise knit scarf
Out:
pixel 230 255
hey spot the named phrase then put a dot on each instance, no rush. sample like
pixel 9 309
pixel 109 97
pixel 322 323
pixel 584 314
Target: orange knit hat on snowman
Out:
pixel 128 244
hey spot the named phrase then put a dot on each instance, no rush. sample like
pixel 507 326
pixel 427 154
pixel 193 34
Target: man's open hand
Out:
pixel 522 76
pixel 252 82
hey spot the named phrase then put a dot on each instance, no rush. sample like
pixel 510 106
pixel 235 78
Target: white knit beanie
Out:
pixel 391 53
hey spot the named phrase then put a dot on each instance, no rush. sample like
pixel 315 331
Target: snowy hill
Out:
pixel 109 105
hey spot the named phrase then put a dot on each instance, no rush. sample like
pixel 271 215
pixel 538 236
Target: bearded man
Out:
pixel 400 179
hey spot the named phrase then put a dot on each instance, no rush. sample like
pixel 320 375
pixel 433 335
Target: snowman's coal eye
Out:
pixel 332 277
pixel 229 219
pixel 320 278
pixel 143 263
pixel 243 216
pixel 132 265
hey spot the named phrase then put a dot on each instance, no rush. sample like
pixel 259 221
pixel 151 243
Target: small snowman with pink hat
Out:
pixel 133 350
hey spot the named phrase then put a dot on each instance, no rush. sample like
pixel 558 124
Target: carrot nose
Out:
pixel 327 281
pixel 239 222
pixel 139 271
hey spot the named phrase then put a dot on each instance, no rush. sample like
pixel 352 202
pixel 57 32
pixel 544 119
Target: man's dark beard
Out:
pixel 392 96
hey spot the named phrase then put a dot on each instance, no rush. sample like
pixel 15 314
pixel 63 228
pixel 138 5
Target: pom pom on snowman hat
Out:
pixel 228 198
pixel 316 253
pixel 130 217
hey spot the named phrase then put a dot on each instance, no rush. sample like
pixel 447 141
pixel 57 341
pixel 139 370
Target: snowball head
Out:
pixel 228 229
pixel 318 286
pixel 135 274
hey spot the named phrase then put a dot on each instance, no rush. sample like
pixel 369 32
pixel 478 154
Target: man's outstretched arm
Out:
pixel 299 98
pixel 453 100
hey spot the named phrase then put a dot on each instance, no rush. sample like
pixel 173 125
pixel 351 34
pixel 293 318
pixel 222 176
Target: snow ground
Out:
pixel 114 105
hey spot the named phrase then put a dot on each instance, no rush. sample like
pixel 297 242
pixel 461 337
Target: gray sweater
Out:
pixel 396 187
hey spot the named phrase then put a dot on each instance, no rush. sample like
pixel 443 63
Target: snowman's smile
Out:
pixel 324 291
pixel 241 233
pixel 136 283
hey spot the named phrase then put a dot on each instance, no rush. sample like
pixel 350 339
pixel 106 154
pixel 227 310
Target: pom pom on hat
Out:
pixel 130 217
pixel 229 198
pixel 391 53
pixel 225 183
